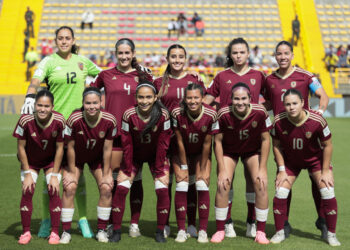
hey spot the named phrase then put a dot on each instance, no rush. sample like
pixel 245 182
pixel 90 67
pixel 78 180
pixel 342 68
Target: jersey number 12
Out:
pixel 71 78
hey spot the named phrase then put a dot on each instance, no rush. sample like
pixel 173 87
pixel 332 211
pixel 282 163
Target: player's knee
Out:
pixel 327 193
pixel 70 189
pixel 182 186
pixel 105 189
pixel 201 186
pixel 159 185
pixel 282 193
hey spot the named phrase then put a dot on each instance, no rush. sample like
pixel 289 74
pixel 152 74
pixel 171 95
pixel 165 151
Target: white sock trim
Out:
pixel 327 194
pixel 67 214
pixel 103 213
pixel 126 184
pixel 282 193
pixel 261 214
pixel 201 186
pixel 182 186
pixel 34 175
pixel 48 177
pixel 221 213
pixel 159 185
pixel 250 197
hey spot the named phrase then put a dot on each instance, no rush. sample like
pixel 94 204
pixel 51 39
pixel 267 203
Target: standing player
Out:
pixel 145 138
pixel 65 73
pixel 120 84
pixel 244 133
pixel 194 124
pixel 171 87
pixel 90 134
pixel 302 140
pixel 40 146
pixel 238 71
pixel 276 85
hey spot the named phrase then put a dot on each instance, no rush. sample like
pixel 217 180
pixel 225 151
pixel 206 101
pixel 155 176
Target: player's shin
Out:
pixel 136 198
pixel 181 204
pixel 118 203
pixel 55 206
pixel 192 201
pixel 330 207
pixel 163 204
pixel 280 207
pixel 26 208
pixel 203 204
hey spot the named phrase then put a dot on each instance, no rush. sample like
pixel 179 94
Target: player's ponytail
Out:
pixel 75 48
pixel 191 86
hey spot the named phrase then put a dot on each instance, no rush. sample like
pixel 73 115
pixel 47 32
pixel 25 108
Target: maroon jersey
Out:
pixel 120 89
pixel 40 140
pixel 176 89
pixel 301 142
pixel 276 86
pixel 224 81
pixel 89 138
pixel 151 147
pixel 194 131
pixel 243 134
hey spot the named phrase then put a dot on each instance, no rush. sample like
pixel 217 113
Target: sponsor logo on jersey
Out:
pixel 57 209
pixel 116 210
pixel 81 132
pixel 58 68
pixel 101 134
pixel 293 84
pixel 81 66
pixel 164 211
pixel 229 81
pixel 252 81
pixel 254 124
pixel 114 78
pixel 155 128
pixel 203 206
pixel 181 209
pixel 33 134
pixel 184 126
pixel 136 78
pixel 333 212
pixel 136 128
pixel 276 211
pixel 285 132
pixel 308 134
pixel 204 129
pixel 54 133
pixel 24 208
pixel 273 86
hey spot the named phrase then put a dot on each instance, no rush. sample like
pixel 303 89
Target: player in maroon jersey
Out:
pixel 90 132
pixel 171 87
pixel 120 84
pixel 194 124
pixel 285 77
pixel 237 70
pixel 244 133
pixel 40 146
pixel 145 138
pixel 302 140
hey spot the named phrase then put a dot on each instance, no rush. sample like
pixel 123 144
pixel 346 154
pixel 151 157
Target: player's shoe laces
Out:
pixel 192 231
pixel 218 237
pixel 181 236
pixel 85 228
pixel 251 230
pixel 45 228
pixel 278 237
pixel 332 239
pixel 229 230
pixel 102 236
pixel 54 239
pixel 116 236
pixel 160 236
pixel 109 230
pixel 321 225
pixel 25 238
pixel 261 238
pixel 287 229
pixel 134 231
pixel 202 237
pixel 65 238
pixel 166 231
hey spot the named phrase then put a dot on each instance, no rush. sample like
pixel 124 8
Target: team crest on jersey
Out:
pixel 136 128
pixel 252 81
pixel 254 124
pixel 293 84
pixel 114 78
pixel 204 129
pixel 54 133
pixel 136 78
pixel 155 128
pixel 101 134
pixel 80 132
pixel 184 126
pixel 308 135
pixel 81 66
pixel 229 81
pixel 285 132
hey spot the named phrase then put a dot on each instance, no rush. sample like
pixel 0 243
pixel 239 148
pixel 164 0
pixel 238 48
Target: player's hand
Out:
pixel 195 74
pixel 181 175
pixel 54 185
pixel 281 177
pixel 223 181
pixel 327 178
pixel 108 180
pixel 262 180
pixel 69 178
pixel 164 179
pixel 145 69
pixel 28 183
pixel 28 106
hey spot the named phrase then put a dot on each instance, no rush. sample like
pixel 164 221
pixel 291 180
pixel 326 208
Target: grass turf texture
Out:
pixel 302 216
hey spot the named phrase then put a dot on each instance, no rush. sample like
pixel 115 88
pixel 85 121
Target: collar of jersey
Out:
pixel 240 117
pixel 301 122
pixel 286 76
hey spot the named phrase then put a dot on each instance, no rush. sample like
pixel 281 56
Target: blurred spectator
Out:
pixel 330 50
pixel 339 49
pixel 296 30
pixel 201 60
pixel 31 57
pixel 195 18
pixel 93 58
pixel 271 61
pixel 29 16
pixel 331 61
pixel 182 24
pixel 163 60
pixel 26 44
pixel 199 27
pixel 87 18
pixel 219 60
pixel 173 27
pixel 155 60
pixel 148 60
pixel 192 61
pixel 343 58
pixel 110 63
pixel 255 57
pixel 46 48
pixel 211 61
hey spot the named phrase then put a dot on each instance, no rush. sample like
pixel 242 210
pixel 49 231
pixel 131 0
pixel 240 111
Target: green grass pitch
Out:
pixel 302 216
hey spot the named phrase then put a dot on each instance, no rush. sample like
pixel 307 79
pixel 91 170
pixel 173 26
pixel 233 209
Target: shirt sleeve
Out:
pixel 324 132
pixel 20 131
pixel 266 124
pixel 92 69
pixel 69 131
pixel 214 126
pixel 127 148
pixel 162 147
pixel 60 132
pixel 112 131
pixel 314 84
pixel 214 87
pixel 43 69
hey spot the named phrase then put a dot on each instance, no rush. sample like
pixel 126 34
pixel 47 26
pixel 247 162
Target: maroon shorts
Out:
pixel 138 165
pixel 50 165
pixel 314 167
pixel 243 156
pixel 97 164
pixel 117 144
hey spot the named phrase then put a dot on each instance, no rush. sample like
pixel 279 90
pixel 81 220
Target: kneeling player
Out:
pixel 40 146
pixel 297 136
pixel 90 132
pixel 244 133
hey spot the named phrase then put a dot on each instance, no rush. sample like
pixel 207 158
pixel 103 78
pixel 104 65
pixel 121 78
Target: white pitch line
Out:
pixel 7 155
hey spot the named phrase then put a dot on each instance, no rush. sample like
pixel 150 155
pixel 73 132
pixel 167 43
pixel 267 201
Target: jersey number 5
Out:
pixel 71 78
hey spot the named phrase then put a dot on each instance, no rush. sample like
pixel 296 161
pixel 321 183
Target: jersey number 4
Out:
pixel 71 78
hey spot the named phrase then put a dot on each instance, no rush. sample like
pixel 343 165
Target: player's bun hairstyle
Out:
pixel 292 92
pixel 44 92
pixel 164 88
pixel 74 49
pixel 157 107
pixel 239 40
pixel 240 85
pixel 284 43
pixel 191 86
pixel 134 64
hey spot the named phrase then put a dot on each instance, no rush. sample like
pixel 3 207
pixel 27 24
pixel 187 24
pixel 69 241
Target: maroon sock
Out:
pixel 113 192
pixel 191 205
pixel 220 225
pixel 170 196
pixel 317 198
pixel 251 212
pixel 66 226
pixel 26 209
pixel 118 206
pixel 279 212
pixel 261 226
pixel 203 209
pixel 55 207
pixel 229 210
pixel 136 199
pixel 331 210
pixel 162 207
pixel 181 209
pixel 289 200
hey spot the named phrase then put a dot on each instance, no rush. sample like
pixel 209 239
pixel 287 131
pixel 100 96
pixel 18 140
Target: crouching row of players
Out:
pixel 240 130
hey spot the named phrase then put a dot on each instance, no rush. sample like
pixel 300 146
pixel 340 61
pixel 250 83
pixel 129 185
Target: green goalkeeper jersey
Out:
pixel 66 80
